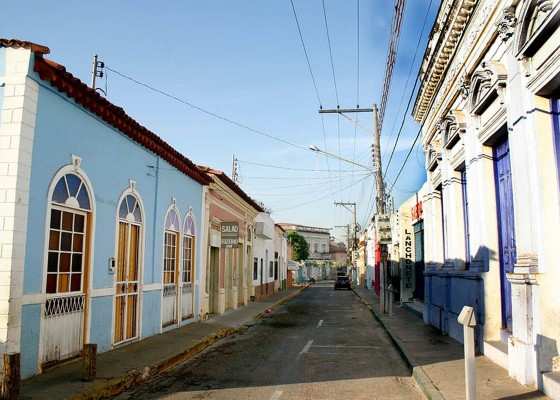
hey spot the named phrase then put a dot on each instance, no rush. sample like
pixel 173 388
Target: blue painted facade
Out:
pixel 110 160
pixel 446 292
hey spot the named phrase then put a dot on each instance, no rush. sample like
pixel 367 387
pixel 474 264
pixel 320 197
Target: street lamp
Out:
pixel 318 150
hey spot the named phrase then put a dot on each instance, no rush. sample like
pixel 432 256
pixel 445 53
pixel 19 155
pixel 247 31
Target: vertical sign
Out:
pixel 407 257
pixel 230 234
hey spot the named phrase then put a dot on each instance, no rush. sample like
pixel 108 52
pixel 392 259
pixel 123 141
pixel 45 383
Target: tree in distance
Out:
pixel 299 245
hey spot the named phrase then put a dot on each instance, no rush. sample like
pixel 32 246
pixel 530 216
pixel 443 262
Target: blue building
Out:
pixel 98 218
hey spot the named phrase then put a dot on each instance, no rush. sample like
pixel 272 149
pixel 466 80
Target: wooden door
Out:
pixel 170 279
pixel 187 278
pixel 127 283
pixel 214 277
pixel 506 227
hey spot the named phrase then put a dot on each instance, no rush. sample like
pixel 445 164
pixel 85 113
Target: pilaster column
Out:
pixel 17 129
pixel 436 241
pixel 521 343
pixel 453 212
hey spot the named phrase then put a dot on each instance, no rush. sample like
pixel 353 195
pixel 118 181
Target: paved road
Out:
pixel 324 344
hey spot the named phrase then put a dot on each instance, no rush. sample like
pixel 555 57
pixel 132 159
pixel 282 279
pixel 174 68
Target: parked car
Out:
pixel 342 282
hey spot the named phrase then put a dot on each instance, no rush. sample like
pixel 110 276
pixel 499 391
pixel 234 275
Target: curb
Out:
pixel 419 375
pixel 113 387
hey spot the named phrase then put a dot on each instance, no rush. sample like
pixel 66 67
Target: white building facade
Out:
pixel 488 105
pixel 263 256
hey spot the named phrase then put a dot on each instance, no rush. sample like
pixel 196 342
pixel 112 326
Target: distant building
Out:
pixel 317 239
pixel 318 264
pixel 339 253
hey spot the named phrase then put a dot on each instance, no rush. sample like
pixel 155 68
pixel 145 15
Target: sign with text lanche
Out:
pixel 230 234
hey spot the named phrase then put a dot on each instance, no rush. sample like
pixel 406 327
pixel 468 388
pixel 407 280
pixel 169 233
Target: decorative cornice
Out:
pixel 506 24
pixel 448 89
pixel 453 17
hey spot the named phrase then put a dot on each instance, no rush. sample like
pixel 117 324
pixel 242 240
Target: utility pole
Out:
pixel 379 184
pixel 347 226
pixel 352 208
pixel 235 169
pixel 96 70
pixel 381 220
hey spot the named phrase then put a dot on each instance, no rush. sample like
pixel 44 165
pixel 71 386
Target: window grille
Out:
pixel 58 306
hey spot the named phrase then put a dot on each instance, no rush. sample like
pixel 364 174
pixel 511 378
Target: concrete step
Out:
pixel 497 351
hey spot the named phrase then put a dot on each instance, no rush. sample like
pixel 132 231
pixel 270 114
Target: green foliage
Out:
pixel 299 245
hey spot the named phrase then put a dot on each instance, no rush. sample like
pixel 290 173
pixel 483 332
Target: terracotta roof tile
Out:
pixel 232 185
pixel 16 44
pixel 65 82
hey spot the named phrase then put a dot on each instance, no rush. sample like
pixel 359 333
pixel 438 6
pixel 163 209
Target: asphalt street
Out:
pixel 323 344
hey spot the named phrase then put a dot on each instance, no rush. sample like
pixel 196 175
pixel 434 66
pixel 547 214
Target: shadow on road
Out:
pixel 321 336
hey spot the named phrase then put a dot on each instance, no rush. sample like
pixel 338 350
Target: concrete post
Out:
pixel 382 284
pixel 390 295
pixel 468 320
pixel 89 362
pixel 11 380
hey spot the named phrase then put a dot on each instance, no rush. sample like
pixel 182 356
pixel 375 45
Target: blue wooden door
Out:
pixel 506 227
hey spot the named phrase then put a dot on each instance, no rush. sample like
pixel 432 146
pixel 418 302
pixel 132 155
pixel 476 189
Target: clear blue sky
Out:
pixel 243 59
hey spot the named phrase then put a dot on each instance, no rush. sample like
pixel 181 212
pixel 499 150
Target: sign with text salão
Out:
pixel 230 234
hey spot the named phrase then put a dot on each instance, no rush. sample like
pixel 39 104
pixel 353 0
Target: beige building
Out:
pixel 339 253
pixel 488 105
pixel 229 243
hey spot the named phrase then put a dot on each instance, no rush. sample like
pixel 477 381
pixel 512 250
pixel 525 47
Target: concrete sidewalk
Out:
pixel 126 366
pixel 437 361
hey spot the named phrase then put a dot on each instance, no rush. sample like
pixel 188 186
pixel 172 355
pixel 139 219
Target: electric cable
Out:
pixel 286 168
pixel 307 57
pixel 207 112
pixel 406 85
pixel 327 195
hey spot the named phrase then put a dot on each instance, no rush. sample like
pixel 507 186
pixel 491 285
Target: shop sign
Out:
pixel 383 229
pixel 417 212
pixel 230 234
pixel 407 264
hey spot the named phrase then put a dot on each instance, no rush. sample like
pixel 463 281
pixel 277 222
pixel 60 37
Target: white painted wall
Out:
pixel 17 127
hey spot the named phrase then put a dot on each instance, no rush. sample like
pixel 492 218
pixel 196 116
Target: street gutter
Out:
pixel 115 386
pixel 429 389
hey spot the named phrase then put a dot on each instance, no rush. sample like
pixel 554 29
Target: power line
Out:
pixel 306 53
pixel 334 77
pixel 357 53
pixel 406 158
pixel 286 168
pixel 324 178
pixel 330 51
pixel 207 112
pixel 327 195
pixel 304 47
pixel 306 185
pixel 391 56
pixel 406 85
pixel 357 74
pixel 401 127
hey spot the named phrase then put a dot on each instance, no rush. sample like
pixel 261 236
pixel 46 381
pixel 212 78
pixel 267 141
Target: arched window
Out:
pixel 70 205
pixel 171 253
pixel 129 209
pixel 189 234
pixel 171 246
pixel 129 239
pixel 71 191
